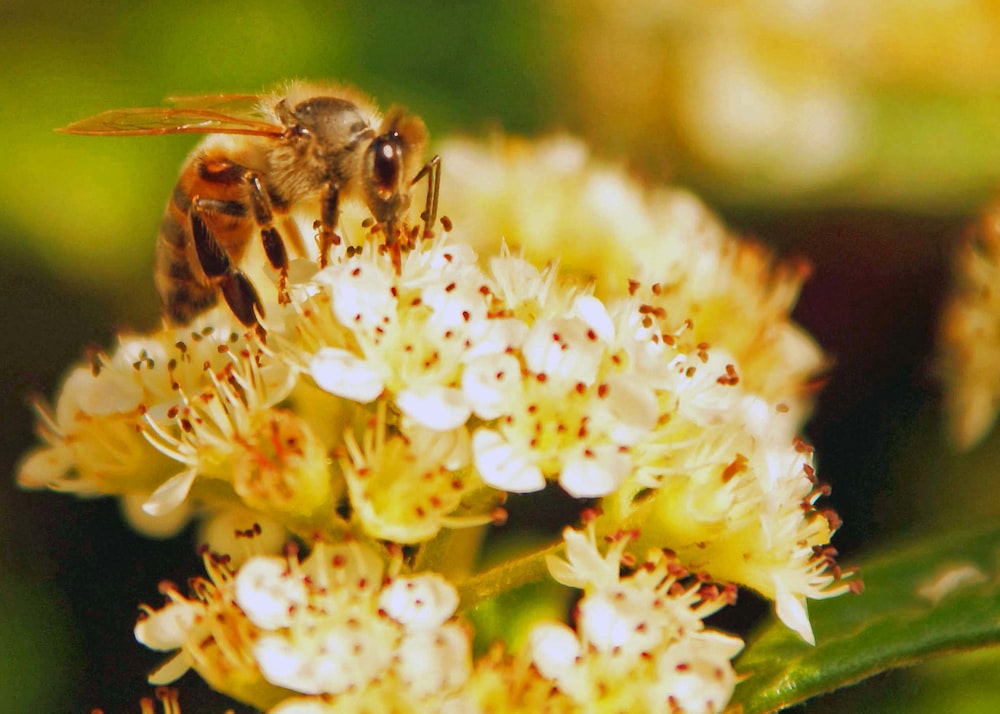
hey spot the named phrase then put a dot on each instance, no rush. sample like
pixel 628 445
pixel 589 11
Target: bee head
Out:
pixel 391 160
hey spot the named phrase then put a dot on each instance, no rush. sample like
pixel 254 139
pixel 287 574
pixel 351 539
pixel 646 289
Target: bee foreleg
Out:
pixel 236 288
pixel 260 204
pixel 328 216
pixel 432 170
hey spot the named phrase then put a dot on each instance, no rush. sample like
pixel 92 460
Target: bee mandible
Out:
pixel 304 145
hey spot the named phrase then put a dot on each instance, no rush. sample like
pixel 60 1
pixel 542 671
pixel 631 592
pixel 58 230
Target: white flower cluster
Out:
pixel 177 398
pixel 552 200
pixel 327 627
pixel 333 624
pixel 561 386
pixel 639 644
pixel 337 633
pixel 388 395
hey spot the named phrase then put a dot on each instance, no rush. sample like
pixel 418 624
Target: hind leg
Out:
pixel 236 288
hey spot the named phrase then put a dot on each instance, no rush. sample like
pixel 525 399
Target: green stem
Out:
pixel 506 576
pixel 452 553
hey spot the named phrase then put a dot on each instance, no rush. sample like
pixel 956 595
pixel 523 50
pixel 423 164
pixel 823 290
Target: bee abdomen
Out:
pixel 183 292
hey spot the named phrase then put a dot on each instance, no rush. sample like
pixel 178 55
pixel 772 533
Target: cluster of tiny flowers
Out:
pixel 639 644
pixel 724 485
pixel 559 386
pixel 389 394
pixel 555 202
pixel 190 398
pixel 731 373
pixel 332 625
pixel 338 632
pixel 970 334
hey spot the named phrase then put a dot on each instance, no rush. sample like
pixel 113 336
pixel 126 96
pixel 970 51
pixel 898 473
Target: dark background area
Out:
pixel 77 226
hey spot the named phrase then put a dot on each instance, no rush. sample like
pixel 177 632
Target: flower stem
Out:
pixel 506 576
pixel 452 553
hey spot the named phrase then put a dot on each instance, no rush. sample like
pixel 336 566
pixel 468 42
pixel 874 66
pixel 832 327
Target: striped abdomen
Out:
pixel 217 183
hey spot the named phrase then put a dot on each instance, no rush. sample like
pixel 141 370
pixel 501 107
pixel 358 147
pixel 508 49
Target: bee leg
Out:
pixel 236 288
pixel 274 246
pixel 211 256
pixel 241 297
pixel 393 246
pixel 432 170
pixel 328 216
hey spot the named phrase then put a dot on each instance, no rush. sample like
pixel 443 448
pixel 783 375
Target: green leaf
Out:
pixel 936 595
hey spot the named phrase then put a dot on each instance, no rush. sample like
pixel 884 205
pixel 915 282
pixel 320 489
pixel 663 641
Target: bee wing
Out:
pixel 231 104
pixel 168 120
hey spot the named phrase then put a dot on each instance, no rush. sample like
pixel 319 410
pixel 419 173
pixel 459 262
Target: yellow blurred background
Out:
pixel 861 135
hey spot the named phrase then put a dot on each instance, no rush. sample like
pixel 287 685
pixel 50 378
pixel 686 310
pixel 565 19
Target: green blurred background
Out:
pixel 863 140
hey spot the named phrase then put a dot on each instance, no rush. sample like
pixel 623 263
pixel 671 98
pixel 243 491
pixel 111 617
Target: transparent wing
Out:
pixel 169 120
pixel 241 105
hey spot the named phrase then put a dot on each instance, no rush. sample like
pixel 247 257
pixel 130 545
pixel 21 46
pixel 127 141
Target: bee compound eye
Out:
pixel 386 162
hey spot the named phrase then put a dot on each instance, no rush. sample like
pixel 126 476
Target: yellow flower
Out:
pixel 404 487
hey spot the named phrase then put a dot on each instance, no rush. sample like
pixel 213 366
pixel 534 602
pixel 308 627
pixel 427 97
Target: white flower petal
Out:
pixel 45 466
pixel 451 449
pixel 112 392
pixel 697 671
pixel 592 311
pixel 439 408
pixel 455 306
pixel 360 569
pixel 223 531
pixel 345 374
pixel 621 621
pixel 362 293
pixel 433 661
pixel 554 649
pixel 167 628
pixel 267 593
pixel 166 525
pixel 595 474
pixel 171 670
pixel 767 423
pixel 502 466
pixel 565 350
pixel 631 410
pixel 171 494
pixel 517 278
pixel 78 390
pixel 283 665
pixel 421 602
pixel 491 384
pixel 701 397
pixel 495 336
pixel 584 565
pixel 791 610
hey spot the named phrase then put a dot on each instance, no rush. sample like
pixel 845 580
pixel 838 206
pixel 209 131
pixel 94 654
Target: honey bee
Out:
pixel 303 145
